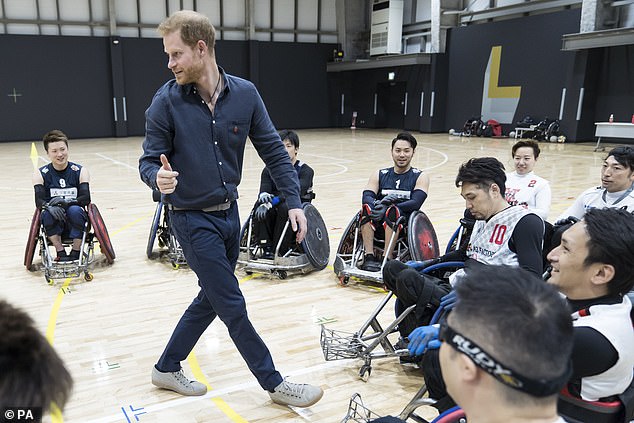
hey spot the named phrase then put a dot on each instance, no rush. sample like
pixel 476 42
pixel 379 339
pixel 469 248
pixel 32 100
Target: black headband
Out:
pixel 505 375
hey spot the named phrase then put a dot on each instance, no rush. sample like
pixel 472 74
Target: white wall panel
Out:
pixel 73 10
pixel 126 11
pixel 307 14
pixel 152 11
pixel 328 17
pixel 211 9
pixel 284 14
pixel 423 10
pixel 262 19
pixel 99 10
pixel 234 13
pixel 20 9
pixel 48 9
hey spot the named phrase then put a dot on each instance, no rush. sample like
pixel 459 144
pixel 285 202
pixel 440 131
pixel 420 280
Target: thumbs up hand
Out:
pixel 166 178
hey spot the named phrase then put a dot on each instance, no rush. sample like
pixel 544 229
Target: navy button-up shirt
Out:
pixel 207 150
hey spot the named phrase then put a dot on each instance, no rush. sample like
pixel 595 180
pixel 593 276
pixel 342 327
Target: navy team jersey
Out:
pixel 401 184
pixel 61 183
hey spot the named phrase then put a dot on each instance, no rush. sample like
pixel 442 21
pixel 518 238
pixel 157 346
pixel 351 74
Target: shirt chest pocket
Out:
pixel 237 130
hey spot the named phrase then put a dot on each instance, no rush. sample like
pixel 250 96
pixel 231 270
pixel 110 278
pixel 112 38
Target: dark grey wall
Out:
pixel 63 82
pixel 531 58
pixel 67 82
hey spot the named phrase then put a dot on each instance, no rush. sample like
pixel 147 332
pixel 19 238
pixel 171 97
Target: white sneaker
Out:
pixel 296 394
pixel 178 382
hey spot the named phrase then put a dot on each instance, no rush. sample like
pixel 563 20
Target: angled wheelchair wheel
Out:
pixel 421 237
pixel 96 221
pixel 31 243
pixel 154 229
pixel 316 244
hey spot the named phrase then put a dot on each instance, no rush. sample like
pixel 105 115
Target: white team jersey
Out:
pixel 489 241
pixel 599 198
pixel 530 191
pixel 613 322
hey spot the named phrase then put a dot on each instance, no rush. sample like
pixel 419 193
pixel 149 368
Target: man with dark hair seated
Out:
pixel 271 212
pixel 401 186
pixel 505 347
pixel 502 234
pixel 617 185
pixel 594 268
pixel 61 190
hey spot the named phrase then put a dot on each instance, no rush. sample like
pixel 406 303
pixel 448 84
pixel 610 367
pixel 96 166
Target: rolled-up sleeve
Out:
pixel 269 146
pixel 158 139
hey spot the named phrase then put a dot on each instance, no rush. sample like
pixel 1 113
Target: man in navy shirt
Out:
pixel 196 129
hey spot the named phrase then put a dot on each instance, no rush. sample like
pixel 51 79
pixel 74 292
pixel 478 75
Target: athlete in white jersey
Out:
pixel 617 186
pixel 594 268
pixel 524 187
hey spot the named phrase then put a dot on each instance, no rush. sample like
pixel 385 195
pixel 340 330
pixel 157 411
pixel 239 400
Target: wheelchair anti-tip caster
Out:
pixel 343 280
pixel 175 265
pixel 281 274
pixel 364 372
pixel 88 276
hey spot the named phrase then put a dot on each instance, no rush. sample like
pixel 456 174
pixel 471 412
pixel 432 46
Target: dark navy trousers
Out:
pixel 210 242
pixel 73 227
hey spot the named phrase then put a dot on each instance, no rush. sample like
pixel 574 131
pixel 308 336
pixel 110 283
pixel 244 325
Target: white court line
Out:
pixel 116 161
pixel 214 393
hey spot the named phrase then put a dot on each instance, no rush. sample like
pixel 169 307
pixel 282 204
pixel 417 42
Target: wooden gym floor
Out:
pixel 110 331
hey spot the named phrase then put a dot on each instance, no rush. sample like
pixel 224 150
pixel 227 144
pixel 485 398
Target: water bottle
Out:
pixel 611 119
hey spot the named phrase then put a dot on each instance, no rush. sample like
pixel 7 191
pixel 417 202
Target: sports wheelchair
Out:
pixel 359 413
pixel 416 241
pixel 311 254
pixel 576 410
pixel 94 228
pixel 166 239
pixel 362 344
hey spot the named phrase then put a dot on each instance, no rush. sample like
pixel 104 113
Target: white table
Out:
pixel 612 130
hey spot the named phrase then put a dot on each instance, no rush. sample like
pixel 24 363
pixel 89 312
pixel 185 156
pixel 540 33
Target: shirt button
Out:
pixel 220 163
pixel 213 121
pixel 216 142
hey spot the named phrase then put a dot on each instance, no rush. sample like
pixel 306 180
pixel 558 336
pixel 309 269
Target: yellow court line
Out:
pixel 220 403
pixel 52 320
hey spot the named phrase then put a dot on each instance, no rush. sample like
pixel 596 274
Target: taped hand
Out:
pixel 422 339
pixel 391 199
pixel 566 221
pixel 378 213
pixel 57 212
pixel 265 197
pixel 58 201
pixel 260 212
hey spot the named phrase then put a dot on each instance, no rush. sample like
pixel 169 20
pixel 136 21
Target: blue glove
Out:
pixel 415 264
pixel 449 301
pixel 423 338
